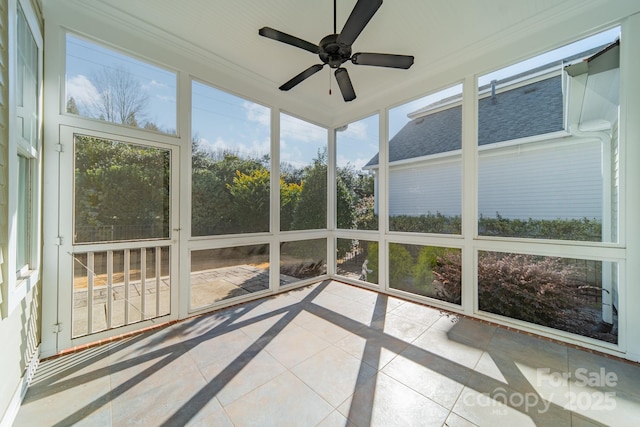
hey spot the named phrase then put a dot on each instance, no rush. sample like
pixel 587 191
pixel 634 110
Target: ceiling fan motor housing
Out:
pixel 333 53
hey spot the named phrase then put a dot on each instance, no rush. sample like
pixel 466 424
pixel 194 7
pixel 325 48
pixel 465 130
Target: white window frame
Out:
pixel 20 283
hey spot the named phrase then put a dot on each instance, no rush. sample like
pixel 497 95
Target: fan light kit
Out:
pixel 335 49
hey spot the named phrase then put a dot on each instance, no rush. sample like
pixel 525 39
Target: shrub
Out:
pixel 447 275
pixel 423 272
pixel 400 265
pixel 585 229
pixel 371 253
pixel 526 287
pixel 429 223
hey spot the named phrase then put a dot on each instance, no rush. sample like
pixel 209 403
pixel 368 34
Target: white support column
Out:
pixel 630 195
pixel 180 270
pixel 274 247
pixel 331 203
pixel 469 192
pixel 383 199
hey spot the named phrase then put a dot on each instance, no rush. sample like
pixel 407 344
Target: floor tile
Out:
pixel 372 347
pixel 332 355
pixel 418 313
pixel 325 328
pixel 466 331
pixel 440 380
pixel 441 344
pixel 383 401
pixel 224 346
pixel 264 406
pixel 455 420
pixel 144 372
pixel 614 375
pixel 398 327
pixel 523 348
pixel 240 375
pixel 82 403
pixel 346 373
pixel 295 345
pixel 486 402
pixel 336 419
pixel 173 402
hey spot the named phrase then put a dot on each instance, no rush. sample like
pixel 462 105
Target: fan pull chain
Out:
pixel 329 81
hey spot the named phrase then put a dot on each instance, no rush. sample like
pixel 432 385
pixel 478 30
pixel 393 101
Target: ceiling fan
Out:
pixel 335 49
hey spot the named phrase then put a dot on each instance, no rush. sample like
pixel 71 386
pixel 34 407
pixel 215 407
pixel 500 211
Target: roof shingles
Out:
pixel 533 109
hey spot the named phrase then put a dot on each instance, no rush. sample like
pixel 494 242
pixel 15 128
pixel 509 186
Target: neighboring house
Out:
pixel 537 157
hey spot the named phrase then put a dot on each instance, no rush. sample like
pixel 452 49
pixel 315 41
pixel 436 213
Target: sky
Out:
pixel 222 121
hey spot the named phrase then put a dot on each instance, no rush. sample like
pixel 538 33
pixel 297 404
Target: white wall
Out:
pixel 426 188
pixel 539 180
pixel 533 182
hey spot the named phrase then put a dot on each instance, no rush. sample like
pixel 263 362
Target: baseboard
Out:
pixel 12 411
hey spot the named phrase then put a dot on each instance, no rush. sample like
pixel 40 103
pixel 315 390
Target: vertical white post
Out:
pixel 630 158
pixel 274 246
pixel 143 286
pixel 90 273
pixel 383 199
pixel 127 272
pixel 469 192
pixel 331 203
pixel 109 290
pixel 158 273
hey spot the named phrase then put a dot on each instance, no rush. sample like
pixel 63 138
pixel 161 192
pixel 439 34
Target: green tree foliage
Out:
pixel 214 210
pixel 250 195
pixel 373 264
pixel 423 273
pixel 311 210
pixel 401 265
pixel 289 198
pixel 355 199
pixel 121 191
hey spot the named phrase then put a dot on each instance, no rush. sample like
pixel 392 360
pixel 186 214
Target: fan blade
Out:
pixel 344 82
pixel 288 39
pixel 302 76
pixel 361 14
pixel 382 60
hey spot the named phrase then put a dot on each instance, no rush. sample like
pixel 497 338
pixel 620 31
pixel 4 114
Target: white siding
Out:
pixel 543 180
pixel 557 181
pixel 426 188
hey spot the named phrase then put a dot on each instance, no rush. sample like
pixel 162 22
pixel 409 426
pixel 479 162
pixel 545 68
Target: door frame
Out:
pixel 66 245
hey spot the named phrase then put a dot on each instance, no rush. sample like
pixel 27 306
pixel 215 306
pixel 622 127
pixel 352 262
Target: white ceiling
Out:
pixel 437 32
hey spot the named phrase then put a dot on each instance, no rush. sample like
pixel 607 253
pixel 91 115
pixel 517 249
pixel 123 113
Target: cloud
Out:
pixel 83 91
pixel 258 113
pixel 357 164
pixel 155 83
pixel 357 130
pixel 171 99
pixel 257 148
pixel 299 130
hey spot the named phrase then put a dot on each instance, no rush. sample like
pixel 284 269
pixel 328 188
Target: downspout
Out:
pixel 607 220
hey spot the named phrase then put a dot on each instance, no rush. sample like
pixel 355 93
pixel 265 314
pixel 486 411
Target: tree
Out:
pixel 121 190
pixel 122 98
pixel 311 210
pixel 251 200
pixel 72 107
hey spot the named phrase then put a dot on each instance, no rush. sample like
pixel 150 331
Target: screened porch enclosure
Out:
pixel 265 212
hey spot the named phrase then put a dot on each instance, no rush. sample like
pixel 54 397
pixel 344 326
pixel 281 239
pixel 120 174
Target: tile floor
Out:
pixel 332 355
